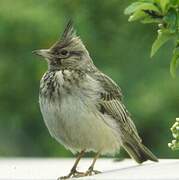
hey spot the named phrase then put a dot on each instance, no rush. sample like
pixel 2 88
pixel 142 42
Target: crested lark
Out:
pixel 82 107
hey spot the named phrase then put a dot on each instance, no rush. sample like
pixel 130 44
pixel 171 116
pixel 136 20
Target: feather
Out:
pixel 69 31
pixel 114 107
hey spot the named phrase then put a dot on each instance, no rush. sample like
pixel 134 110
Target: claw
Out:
pixel 91 171
pixel 77 174
pixel 73 173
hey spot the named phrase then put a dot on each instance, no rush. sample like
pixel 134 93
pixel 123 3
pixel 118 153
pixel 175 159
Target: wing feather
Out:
pixel 111 100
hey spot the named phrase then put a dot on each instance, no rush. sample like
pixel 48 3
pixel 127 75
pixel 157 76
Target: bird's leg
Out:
pixel 90 170
pixel 73 171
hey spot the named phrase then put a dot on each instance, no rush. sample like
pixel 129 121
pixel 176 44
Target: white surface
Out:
pixel 43 169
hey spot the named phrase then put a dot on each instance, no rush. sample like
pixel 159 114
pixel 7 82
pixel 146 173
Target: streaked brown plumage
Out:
pixel 82 107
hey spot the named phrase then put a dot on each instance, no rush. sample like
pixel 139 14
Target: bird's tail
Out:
pixel 139 152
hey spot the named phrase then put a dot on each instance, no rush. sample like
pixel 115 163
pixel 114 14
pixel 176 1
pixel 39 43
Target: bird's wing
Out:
pixel 110 103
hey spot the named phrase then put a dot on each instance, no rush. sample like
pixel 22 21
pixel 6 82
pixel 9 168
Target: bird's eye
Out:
pixel 64 52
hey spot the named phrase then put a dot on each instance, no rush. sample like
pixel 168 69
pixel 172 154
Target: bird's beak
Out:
pixel 45 53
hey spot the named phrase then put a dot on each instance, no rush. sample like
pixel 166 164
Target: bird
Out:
pixel 83 108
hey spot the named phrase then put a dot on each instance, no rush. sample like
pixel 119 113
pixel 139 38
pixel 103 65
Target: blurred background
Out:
pixel 119 48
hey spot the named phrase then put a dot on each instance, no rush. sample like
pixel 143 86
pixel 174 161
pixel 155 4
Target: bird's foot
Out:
pixel 73 173
pixel 91 171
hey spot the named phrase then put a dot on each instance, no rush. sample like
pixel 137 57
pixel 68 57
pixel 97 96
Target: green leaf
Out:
pixel 147 20
pixel 136 16
pixel 132 8
pixel 163 4
pixel 171 20
pixel 140 6
pixel 174 62
pixel 162 38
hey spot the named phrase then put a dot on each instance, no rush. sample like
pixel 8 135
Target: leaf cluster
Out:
pixel 165 13
pixel 174 145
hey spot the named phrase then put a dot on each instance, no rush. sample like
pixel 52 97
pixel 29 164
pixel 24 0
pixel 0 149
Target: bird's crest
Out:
pixel 68 36
pixel 69 31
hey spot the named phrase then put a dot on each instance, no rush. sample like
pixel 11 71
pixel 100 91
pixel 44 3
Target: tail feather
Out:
pixel 139 152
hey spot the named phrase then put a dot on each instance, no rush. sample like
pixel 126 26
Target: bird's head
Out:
pixel 68 52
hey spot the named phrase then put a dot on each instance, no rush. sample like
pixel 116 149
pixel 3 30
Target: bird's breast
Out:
pixel 61 84
pixel 70 112
pixel 67 96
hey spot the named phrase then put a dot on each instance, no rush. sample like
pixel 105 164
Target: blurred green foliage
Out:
pixel 166 14
pixel 118 48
